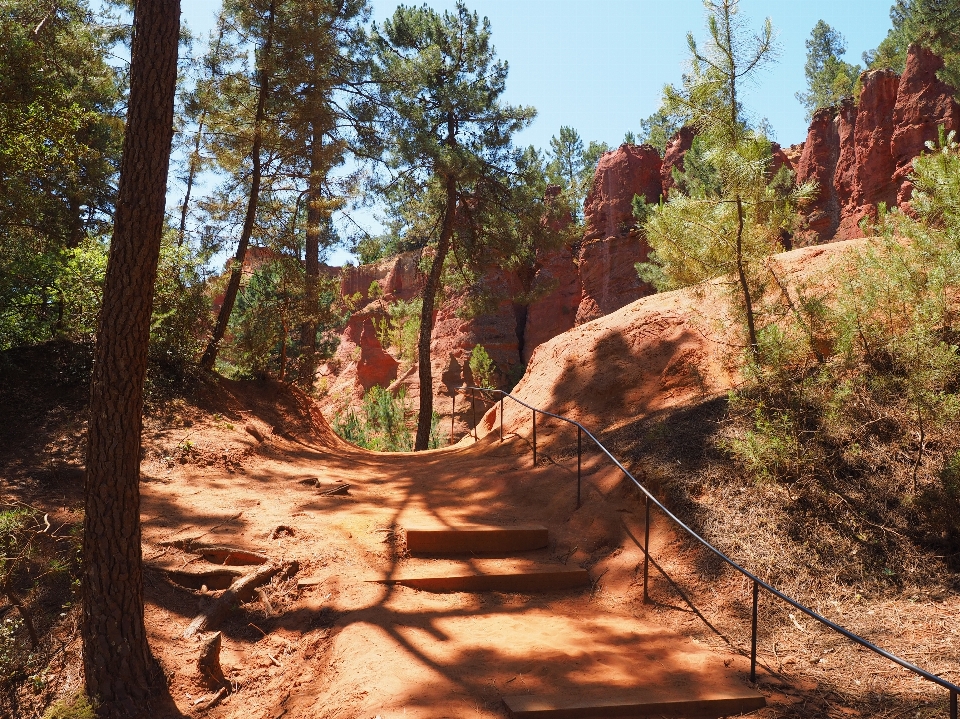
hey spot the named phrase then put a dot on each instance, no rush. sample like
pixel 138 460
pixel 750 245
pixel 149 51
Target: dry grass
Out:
pixel 841 542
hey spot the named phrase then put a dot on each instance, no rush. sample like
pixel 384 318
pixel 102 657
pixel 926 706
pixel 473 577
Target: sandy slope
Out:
pixel 662 351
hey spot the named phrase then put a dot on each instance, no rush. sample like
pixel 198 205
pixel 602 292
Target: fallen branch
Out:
pixel 339 489
pixel 241 590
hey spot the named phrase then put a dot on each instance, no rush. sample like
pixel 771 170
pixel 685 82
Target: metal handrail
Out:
pixel 757 582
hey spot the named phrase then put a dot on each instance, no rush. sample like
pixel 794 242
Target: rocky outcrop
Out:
pixel 612 244
pixel 861 154
pixel 865 168
pixel 399 277
pixel 375 366
pixel 360 361
pixel 608 275
pixel 673 157
pixel 924 103
pixel 556 292
pixel 627 171
pixel 500 329
pixel 818 164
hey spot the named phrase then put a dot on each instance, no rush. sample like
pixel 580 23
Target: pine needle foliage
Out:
pixel 728 213
pixel 857 391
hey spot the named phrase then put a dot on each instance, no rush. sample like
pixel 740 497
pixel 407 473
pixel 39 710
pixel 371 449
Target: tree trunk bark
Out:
pixel 426 319
pixel 209 358
pixel 308 333
pixel 194 167
pixel 745 284
pixel 118 667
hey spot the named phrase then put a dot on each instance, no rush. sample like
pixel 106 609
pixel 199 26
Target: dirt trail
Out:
pixel 346 647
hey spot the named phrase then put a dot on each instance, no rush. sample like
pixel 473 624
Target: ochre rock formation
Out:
pixel 612 244
pixel 399 277
pixel 608 276
pixel 500 329
pixel 818 164
pixel 647 356
pixel 627 171
pixel 360 361
pixel 556 287
pixel 861 154
pixel 924 103
pixel 375 366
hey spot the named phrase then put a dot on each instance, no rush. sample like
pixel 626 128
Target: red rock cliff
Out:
pixel 862 154
pixel 611 243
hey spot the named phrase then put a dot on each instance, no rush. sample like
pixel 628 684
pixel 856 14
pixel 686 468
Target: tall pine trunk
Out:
pixel 118 667
pixel 194 167
pixel 425 420
pixel 308 333
pixel 209 358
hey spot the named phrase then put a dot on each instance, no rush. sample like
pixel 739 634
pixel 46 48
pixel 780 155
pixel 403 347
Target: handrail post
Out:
pixel 579 438
pixel 953 704
pixel 473 401
pixel 534 439
pixel 753 632
pixel 453 413
pixel 646 551
pixel 501 418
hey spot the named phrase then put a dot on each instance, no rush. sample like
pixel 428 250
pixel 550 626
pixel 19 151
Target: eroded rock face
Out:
pixel 924 102
pixel 608 275
pixel 554 312
pixel 865 169
pixel 673 157
pixel 871 145
pixel 360 361
pixel 627 171
pixel 612 244
pixel 500 329
pixel 872 136
pixel 399 277
pixel 375 366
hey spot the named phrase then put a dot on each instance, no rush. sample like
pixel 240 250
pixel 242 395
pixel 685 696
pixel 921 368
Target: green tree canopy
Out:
pixel 829 79
pixel 933 23
pixel 448 140
pixel 61 127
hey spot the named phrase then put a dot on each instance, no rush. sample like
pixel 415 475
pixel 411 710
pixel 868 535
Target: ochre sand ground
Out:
pixel 348 647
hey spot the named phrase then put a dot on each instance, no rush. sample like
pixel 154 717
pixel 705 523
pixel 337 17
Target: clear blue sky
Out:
pixel 599 65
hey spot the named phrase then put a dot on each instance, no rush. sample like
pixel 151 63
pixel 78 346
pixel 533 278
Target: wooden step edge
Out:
pixel 639 703
pixel 529 581
pixel 457 540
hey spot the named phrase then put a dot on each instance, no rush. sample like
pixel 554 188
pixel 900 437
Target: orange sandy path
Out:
pixel 349 648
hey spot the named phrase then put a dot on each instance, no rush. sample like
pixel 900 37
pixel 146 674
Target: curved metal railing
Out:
pixel 650 500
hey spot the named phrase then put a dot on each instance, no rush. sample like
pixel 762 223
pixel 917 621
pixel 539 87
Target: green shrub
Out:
pixel 382 425
pixel 482 368
pixel 400 329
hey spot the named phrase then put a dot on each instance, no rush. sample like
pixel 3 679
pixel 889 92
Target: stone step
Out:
pixel 544 579
pixel 475 539
pixel 649 701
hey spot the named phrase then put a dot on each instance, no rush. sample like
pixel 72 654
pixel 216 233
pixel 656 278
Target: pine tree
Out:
pixel 449 135
pixel 118 669
pixel 256 20
pixel 276 129
pixel 829 79
pixel 729 216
